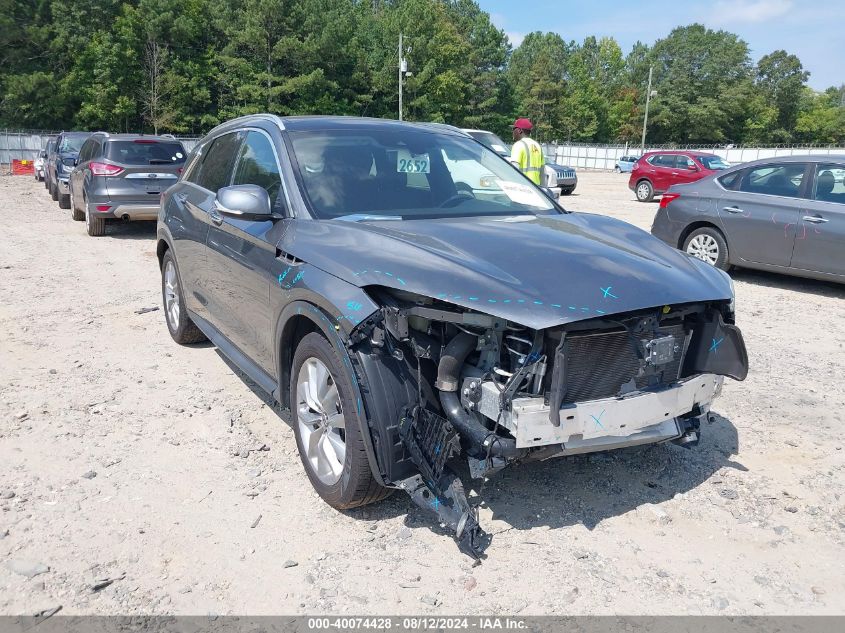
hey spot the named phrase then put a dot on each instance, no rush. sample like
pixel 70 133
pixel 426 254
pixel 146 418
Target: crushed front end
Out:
pixel 495 392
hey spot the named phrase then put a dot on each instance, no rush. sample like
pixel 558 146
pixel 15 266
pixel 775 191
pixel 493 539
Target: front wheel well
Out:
pixel 161 248
pixel 294 330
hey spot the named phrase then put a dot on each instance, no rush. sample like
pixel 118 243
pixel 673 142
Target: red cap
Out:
pixel 523 124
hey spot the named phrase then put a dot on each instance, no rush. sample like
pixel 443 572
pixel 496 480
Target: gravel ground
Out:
pixel 140 477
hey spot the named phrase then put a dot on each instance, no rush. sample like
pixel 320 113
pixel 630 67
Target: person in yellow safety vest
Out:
pixel 526 152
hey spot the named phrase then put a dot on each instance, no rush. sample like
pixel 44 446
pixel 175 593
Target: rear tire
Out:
pixel 644 191
pixel 328 427
pixel 709 245
pixel 54 192
pixel 179 324
pixel 95 226
pixel 75 213
pixel 64 201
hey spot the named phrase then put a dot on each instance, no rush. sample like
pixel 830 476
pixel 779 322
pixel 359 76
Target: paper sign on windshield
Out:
pixel 406 163
pixel 519 193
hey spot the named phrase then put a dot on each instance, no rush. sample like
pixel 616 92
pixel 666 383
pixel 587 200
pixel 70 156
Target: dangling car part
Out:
pixel 408 324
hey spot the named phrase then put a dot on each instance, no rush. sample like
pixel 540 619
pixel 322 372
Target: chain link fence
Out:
pixel 595 156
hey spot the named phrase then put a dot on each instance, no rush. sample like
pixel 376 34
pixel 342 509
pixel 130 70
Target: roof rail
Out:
pixel 262 116
pixel 101 132
pixel 166 136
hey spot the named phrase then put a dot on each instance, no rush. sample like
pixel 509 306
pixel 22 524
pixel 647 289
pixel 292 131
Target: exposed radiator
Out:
pixel 598 364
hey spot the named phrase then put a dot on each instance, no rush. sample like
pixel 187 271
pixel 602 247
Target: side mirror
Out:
pixel 692 167
pixel 549 192
pixel 75 162
pixel 43 154
pixel 244 200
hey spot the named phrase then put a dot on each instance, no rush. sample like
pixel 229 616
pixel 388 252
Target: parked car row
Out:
pixel 104 177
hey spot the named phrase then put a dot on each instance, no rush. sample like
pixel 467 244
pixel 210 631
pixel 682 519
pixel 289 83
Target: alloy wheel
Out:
pixel 322 425
pixel 705 248
pixel 171 294
pixel 642 191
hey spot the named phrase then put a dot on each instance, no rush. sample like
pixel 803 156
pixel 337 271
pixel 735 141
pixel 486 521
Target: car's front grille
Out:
pixel 598 364
pixel 565 173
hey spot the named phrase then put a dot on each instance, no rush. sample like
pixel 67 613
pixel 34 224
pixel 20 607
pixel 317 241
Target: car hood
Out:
pixel 538 271
pixel 556 166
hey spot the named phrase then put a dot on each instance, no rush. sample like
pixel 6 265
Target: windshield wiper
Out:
pixel 364 217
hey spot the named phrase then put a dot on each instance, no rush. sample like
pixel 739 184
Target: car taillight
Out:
pixel 179 170
pixel 103 207
pixel 104 169
pixel 667 198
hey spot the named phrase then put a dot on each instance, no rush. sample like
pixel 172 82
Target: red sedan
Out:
pixel 655 172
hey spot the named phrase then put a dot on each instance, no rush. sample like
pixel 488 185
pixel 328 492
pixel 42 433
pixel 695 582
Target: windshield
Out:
pixel 407 173
pixel 146 152
pixel 72 143
pixel 713 162
pixel 490 140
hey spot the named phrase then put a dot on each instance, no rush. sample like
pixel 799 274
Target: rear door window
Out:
pixel 663 160
pixel 731 180
pixel 775 180
pixel 146 152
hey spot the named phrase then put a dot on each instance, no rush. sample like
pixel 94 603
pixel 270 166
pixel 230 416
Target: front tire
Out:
pixel 328 426
pixel 179 324
pixel 64 201
pixel 709 245
pixel 54 192
pixel 644 191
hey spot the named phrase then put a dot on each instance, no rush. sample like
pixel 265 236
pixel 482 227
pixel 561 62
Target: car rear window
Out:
pixel 146 152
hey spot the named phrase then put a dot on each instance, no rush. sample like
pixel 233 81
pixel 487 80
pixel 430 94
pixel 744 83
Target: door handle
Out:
pixel 814 219
pixel 733 210
pixel 674 173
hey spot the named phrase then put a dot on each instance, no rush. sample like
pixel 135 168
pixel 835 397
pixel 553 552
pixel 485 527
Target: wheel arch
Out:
pixel 700 224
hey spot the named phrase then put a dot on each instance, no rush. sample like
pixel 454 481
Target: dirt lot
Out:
pixel 125 457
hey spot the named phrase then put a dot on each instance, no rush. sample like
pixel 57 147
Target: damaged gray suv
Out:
pixel 408 324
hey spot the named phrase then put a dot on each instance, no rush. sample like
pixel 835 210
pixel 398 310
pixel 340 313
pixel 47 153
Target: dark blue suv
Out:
pixel 60 162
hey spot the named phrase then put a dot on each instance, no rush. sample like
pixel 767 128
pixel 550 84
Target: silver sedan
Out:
pixel 782 214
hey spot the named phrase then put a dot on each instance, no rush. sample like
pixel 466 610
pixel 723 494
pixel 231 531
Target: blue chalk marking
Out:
pixel 520 300
pixel 442 295
pixel 299 276
pixel 555 305
pixel 491 301
pixel 436 503
pixel 506 301
pixel 571 307
pixel 353 305
pixel 437 450
pixel 600 311
pixel 283 275
pixel 388 274
pixel 597 420
pixel 607 293
pixel 401 281
pixel 586 309
pixel 539 303
pixel 473 298
pixel 359 273
pixel 456 297
pixel 715 346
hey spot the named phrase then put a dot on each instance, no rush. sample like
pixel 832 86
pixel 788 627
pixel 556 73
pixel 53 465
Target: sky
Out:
pixel 814 31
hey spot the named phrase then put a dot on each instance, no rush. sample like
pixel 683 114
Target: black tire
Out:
pixel 96 227
pixel 75 213
pixel 64 201
pixel 54 192
pixel 644 191
pixel 183 331
pixel 567 192
pixel 356 485
pixel 704 237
